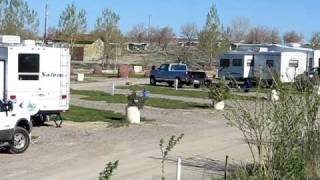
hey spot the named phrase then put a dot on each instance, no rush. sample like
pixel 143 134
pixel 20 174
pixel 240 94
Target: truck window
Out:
pixel 236 62
pixel 29 65
pixel 178 68
pixel 164 67
pixel 224 62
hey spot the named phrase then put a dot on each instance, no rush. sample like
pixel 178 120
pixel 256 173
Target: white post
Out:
pixel 179 169
pixel 113 89
pixel 176 84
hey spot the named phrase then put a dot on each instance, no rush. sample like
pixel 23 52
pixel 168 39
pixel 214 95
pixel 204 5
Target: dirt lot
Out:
pixel 80 150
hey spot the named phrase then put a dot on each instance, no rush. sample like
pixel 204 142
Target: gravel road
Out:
pixel 80 150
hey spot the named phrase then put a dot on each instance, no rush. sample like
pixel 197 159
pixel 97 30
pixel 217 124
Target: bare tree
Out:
pixel 138 33
pixel 189 31
pixel 165 35
pixel 262 34
pixel 315 40
pixel 239 29
pixel 292 37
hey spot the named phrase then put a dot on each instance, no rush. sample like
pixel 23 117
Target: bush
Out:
pixel 136 100
pixel 219 92
pixel 108 171
pixel 283 136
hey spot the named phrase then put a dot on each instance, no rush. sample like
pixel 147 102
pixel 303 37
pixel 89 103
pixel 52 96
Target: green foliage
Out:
pixel 107 27
pixel 108 171
pixel 283 136
pixel 136 100
pixel 72 23
pixel 212 41
pixel 166 149
pixel 219 92
pixel 16 18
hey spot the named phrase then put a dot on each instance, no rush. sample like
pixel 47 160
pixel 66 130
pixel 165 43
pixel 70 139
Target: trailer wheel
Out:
pixel 20 142
pixel 57 119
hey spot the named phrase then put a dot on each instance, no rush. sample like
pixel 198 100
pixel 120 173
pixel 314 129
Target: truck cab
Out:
pixel 15 127
pixel 170 73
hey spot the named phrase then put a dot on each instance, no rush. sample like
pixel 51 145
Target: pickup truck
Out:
pixel 170 73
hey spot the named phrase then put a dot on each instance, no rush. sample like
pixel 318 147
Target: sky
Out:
pixel 284 15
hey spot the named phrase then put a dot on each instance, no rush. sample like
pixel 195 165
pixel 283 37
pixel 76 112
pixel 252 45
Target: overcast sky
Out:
pixel 300 15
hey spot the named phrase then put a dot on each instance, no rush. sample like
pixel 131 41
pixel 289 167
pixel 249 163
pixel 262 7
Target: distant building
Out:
pixel 87 48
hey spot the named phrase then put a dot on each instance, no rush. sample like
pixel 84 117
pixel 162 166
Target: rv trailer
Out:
pixel 242 65
pixel 37 75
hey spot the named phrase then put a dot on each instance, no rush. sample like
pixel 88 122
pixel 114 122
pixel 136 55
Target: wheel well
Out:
pixel 24 124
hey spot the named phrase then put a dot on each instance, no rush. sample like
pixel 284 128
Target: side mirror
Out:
pixel 9 106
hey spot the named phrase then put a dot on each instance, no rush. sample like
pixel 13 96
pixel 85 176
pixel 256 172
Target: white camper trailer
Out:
pixel 287 65
pixel 241 65
pixel 37 75
pixel 236 65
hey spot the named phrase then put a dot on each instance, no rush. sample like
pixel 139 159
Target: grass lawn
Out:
pixel 167 91
pixel 80 114
pixel 183 93
pixel 153 102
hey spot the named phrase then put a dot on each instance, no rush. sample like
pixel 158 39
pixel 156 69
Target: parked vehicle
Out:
pixel 15 126
pixel 199 78
pixel 38 75
pixel 170 73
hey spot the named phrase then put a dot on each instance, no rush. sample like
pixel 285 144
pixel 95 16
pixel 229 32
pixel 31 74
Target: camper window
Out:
pixel 294 63
pixel 269 63
pixel 236 62
pixel 224 62
pixel 28 63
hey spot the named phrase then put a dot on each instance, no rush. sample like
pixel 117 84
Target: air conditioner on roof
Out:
pixel 8 39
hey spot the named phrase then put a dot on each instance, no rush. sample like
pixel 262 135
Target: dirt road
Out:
pixel 80 150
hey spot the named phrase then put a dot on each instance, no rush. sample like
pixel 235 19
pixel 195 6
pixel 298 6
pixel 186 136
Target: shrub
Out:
pixel 108 171
pixel 219 92
pixel 136 100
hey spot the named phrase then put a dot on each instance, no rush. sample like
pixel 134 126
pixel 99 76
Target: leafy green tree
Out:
pixel 72 23
pixel 17 18
pixel 212 42
pixel 107 27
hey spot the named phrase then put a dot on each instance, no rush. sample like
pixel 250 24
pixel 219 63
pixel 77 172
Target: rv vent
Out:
pixel 7 39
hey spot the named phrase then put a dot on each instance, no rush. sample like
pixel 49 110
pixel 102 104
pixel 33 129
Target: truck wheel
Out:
pixel 20 142
pixel 170 84
pixel 196 86
pixel 153 81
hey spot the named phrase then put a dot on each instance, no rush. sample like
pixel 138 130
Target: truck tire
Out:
pixel 196 86
pixel 20 141
pixel 153 81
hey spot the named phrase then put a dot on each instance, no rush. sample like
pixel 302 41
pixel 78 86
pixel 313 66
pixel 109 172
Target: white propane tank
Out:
pixel 80 77
pixel 219 105
pixel 274 95
pixel 133 114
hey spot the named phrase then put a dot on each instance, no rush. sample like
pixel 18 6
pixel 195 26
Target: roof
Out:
pixel 79 39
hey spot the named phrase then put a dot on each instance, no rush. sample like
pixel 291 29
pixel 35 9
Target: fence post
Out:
pixel 178 169
pixel 176 84
pixel 226 168
pixel 113 89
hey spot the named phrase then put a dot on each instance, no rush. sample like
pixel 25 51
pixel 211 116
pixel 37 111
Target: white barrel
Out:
pixel 219 105
pixel 80 77
pixel 133 114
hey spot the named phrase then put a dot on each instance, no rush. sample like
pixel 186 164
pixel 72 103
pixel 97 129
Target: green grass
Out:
pixel 167 91
pixel 81 114
pixel 182 93
pixel 153 102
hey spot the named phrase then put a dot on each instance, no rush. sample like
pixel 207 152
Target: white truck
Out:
pixel 15 127
pixel 37 75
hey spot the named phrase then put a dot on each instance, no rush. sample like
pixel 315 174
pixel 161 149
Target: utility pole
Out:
pixel 45 24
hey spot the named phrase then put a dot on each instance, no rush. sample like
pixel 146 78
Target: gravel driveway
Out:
pixel 80 150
